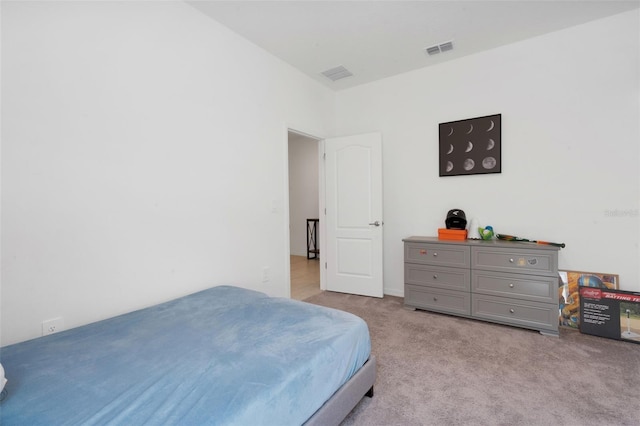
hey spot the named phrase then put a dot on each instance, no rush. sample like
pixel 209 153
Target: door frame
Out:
pixel 321 204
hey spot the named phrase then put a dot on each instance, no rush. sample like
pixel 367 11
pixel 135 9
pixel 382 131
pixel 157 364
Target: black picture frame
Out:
pixel 472 146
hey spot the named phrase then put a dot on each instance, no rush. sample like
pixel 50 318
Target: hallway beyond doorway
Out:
pixel 305 277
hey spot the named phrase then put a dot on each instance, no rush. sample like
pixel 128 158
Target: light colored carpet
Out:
pixel 441 370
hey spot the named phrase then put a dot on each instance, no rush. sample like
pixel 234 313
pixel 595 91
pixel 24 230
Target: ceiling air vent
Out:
pixel 337 73
pixel 443 47
pixel 446 46
pixel 433 50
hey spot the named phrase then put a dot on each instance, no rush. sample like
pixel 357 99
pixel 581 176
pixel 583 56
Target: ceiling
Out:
pixel 379 39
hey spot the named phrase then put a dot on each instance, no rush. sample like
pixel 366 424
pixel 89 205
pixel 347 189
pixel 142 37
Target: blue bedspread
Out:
pixel 221 356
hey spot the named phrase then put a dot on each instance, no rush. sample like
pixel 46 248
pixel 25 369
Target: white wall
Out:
pixel 303 190
pixel 144 154
pixel 143 157
pixel 570 138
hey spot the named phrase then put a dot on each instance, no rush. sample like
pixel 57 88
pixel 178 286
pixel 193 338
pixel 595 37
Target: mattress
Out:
pixel 225 355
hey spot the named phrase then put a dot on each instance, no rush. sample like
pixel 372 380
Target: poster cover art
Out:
pixel 610 313
pixel 569 295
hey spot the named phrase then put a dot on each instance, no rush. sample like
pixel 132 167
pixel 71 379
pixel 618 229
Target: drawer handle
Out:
pixel 510 285
pixel 435 299
pixel 435 254
pixel 511 260
pixel 512 311
pixel 435 277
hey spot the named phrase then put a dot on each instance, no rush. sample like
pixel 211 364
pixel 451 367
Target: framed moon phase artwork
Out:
pixel 471 146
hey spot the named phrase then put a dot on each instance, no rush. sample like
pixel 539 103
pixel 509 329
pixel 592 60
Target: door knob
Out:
pixel 376 223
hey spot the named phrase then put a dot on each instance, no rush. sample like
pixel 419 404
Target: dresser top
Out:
pixel 483 243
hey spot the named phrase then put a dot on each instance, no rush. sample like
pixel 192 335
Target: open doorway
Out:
pixel 303 210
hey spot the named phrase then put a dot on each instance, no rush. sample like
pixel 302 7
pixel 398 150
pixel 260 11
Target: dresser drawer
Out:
pixel 526 287
pixel 539 316
pixel 437 276
pixel 438 299
pixel 437 254
pixel 539 262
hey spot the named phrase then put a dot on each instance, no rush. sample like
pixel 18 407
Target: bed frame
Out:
pixel 338 407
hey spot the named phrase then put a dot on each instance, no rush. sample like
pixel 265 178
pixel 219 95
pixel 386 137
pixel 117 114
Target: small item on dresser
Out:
pixel 452 234
pixel 506 237
pixel 456 219
pixel 486 233
pixel 473 233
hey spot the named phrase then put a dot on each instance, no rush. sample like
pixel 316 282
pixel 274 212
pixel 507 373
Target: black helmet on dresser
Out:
pixel 456 219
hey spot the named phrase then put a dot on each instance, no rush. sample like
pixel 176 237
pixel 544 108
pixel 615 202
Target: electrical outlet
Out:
pixel 52 326
pixel 266 275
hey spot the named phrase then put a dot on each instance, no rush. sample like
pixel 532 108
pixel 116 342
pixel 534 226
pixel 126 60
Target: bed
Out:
pixel 222 356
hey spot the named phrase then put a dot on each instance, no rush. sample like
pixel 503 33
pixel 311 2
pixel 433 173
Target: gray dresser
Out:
pixel 505 282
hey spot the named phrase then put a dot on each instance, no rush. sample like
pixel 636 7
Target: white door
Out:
pixel 353 201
